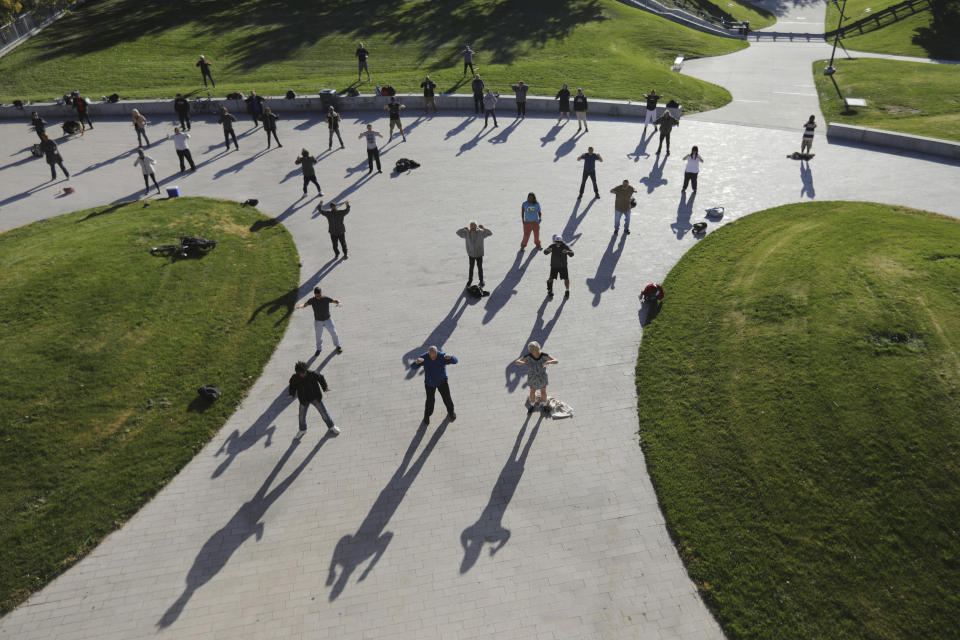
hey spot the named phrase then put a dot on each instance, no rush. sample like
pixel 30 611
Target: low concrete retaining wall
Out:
pixel 895 140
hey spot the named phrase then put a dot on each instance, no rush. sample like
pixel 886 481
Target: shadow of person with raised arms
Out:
pixel 441 333
pixel 604 279
pixel 539 333
pixel 684 211
pixel 507 288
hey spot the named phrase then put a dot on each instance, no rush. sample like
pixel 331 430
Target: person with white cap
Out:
pixel 558 252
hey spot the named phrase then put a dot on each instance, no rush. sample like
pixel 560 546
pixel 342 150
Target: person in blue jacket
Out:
pixel 434 363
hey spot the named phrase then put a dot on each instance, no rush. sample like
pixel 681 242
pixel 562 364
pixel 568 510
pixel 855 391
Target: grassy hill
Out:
pixel 906 37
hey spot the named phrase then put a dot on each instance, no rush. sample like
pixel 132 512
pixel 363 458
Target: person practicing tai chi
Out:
pixel 590 160
pixel 652 98
pixel 205 65
pixel 394 108
pixel 322 319
pixel 558 252
pixel 146 164
pixel 536 362
pixel 692 171
pixel 434 363
pixel 338 230
pixel 373 152
pixel 309 387
pixel 307 162
pixel 227 119
pixel 362 55
pixel 333 124
pixel 474 234
pixel 182 148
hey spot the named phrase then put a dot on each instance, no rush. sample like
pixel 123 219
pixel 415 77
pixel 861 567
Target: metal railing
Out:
pixel 881 18
pixel 24 26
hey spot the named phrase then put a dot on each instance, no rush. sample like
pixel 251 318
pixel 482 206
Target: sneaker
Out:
pixel 336 255
pixel 451 416
pixel 299 434
pixel 339 349
pixel 345 256
pixel 579 196
pixel 566 294
pixel 626 232
pixel 596 195
pixel 549 294
pixel 334 430
pixel 316 353
pixel 426 420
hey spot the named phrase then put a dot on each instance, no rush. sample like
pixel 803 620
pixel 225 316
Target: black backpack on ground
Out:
pixel 291 95
pixel 209 392
pixel 476 291
pixel 113 97
pixel 405 164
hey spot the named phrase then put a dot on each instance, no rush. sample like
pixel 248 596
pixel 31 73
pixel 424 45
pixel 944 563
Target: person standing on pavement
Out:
pixel 336 227
pixel 622 204
pixel 477 86
pixel 146 164
pixel 182 107
pixel 490 108
pixel 362 55
pixel 536 362
pixel 667 122
pixel 140 126
pixel 322 318
pixel 394 108
pixel 468 54
pixel 333 124
pixel 530 215
pixel 807 143
pixel 270 125
pixel 651 114
pixel 694 160
pixel 54 159
pixel 309 387
pixel 429 100
pixel 564 97
pixel 373 153
pixel 558 252
pixel 83 112
pixel 255 107
pixel 180 138
pixel 205 65
pixel 474 235
pixel 520 90
pixel 590 160
pixel 39 125
pixel 307 162
pixel 227 119
pixel 434 363
pixel 580 109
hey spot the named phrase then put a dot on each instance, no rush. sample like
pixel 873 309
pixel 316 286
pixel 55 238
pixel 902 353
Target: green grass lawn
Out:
pixel 900 38
pixel 148 49
pixel 733 10
pixel 102 351
pixel 799 397
pixel 912 97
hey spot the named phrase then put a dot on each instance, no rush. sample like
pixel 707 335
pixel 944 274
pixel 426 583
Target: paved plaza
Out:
pixel 498 525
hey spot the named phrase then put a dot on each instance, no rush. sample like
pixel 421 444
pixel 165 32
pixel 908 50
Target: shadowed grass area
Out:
pixel 913 35
pixel 798 402
pixel 143 50
pixel 912 97
pixel 102 351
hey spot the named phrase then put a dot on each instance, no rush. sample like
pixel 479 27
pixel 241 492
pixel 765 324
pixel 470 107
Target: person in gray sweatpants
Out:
pixel 474 235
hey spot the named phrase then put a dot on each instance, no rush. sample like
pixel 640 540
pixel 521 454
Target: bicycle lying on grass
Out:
pixel 189 247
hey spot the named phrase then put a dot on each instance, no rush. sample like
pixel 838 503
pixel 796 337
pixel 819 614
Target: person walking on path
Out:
pixel 434 363
pixel 490 108
pixel 651 114
pixel 180 138
pixel 590 160
pixel 254 107
pixel 362 55
pixel 336 227
pixel 205 65
pixel 82 106
pixel 580 109
pixel 564 97
pixel 807 143
pixel 307 162
pixel 182 107
pixel 622 204
pixel 270 125
pixel 530 215
pixel 146 164
pixel 333 124
pixel 468 54
pixel 429 100
pixel 54 159
pixel 227 119
pixel 39 125
pixel 520 90
pixel 558 252
pixel 140 126
pixel 321 318
pixel 536 362
pixel 394 108
pixel 373 153
pixel 309 387
pixel 667 122
pixel 694 160
pixel 477 86
pixel 474 235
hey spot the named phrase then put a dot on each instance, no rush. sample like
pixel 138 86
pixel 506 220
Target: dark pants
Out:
pixel 41 133
pixel 521 107
pixel 256 117
pixel 342 239
pixel 468 64
pixel 142 132
pixel 361 67
pixel 479 263
pixel 308 179
pixel 330 141
pixel 444 389
pixel 478 103
pixel 184 120
pixel 84 115
pixel 664 136
pixel 689 178
pixel 274 133
pixel 206 74
pixel 227 134
pixel 184 154
pixel 593 177
pixel 53 169
pixel 486 117
pixel 373 154
pixel 146 182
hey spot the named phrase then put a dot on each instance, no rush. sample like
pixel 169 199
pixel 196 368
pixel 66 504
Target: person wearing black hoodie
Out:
pixel 83 113
pixel 309 386
pixel 182 107
pixel 39 124
pixel 558 252
pixel 477 86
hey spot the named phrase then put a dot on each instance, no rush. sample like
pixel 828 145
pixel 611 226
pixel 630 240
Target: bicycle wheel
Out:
pixel 165 250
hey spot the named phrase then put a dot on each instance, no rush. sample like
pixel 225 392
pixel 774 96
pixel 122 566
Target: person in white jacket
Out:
pixel 183 148
pixel 146 164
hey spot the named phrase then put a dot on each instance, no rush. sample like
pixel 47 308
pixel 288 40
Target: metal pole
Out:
pixel 829 70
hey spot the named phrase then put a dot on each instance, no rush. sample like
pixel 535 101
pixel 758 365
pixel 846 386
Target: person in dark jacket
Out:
pixel 338 230
pixel 667 122
pixel 434 363
pixel 394 108
pixel 205 65
pixel 270 126
pixel 652 98
pixel 49 148
pixel 590 160
pixel 309 387
pixel 255 107
pixel 322 318
pixel 520 90
pixel 83 113
pixel 333 123
pixel 307 162
pixel 182 107
pixel 564 97
pixel 477 86
pixel 580 109
pixel 468 54
pixel 558 252
pixel 227 119
pixel 429 100
pixel 362 55
pixel 39 125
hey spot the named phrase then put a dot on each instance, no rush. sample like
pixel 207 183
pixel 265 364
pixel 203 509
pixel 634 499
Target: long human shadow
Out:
pixel 472 142
pixel 460 127
pixel 359 182
pixel 218 549
pixel 551 134
pixel 105 211
pixel 507 288
pixel 684 211
pixel 655 178
pixel 370 540
pixel 641 150
pixel 292 174
pixel 489 526
pixel 17 163
pixel 29 192
pixel 440 334
pixel 309 123
pixel 238 166
pixel 806 177
pixel 288 300
pixel 103 163
pixel 573 222
pixel 604 279
pixel 504 134
pixel 540 332
pixel 567 146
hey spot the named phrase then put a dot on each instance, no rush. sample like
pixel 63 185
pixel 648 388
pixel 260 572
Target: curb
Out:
pixel 894 140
